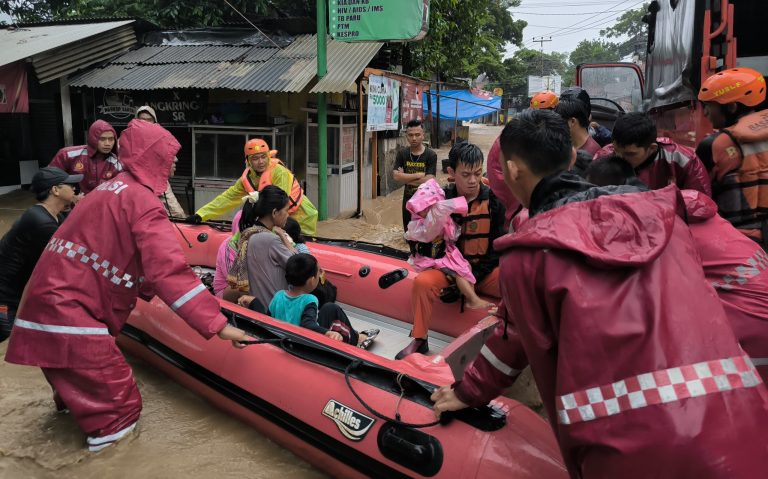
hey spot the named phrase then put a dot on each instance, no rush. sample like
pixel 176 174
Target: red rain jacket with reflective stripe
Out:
pixel 737 267
pixel 673 165
pixel 608 301
pixel 86 281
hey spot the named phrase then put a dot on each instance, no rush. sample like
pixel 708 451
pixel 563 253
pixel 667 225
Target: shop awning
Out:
pixel 262 68
pixel 58 50
pixel 469 106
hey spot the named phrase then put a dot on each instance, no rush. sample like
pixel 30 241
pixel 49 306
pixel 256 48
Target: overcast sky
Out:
pixel 567 21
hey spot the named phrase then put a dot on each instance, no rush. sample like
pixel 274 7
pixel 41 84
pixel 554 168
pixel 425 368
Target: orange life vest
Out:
pixel 295 196
pixel 742 195
pixel 474 241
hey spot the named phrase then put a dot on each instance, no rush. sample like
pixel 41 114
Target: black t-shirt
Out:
pixel 20 249
pixel 424 163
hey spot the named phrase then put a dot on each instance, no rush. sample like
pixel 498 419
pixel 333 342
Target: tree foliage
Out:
pixel 630 26
pixel 465 38
pixel 164 13
pixel 528 62
pixel 593 51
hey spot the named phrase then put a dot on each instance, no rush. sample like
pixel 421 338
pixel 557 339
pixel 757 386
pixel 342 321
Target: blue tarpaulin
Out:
pixel 467 111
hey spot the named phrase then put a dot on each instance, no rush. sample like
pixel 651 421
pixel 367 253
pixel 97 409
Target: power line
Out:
pixel 596 15
pixel 551 27
pixel 572 14
pixel 556 4
pixel 541 41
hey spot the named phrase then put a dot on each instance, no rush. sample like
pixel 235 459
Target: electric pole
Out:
pixel 541 41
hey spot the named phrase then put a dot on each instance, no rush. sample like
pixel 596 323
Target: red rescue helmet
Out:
pixel 735 85
pixel 256 145
pixel 545 100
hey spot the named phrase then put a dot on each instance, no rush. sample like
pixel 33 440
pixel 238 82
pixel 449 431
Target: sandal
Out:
pixel 371 335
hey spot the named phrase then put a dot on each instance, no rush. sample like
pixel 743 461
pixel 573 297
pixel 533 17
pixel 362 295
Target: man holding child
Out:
pixel 483 223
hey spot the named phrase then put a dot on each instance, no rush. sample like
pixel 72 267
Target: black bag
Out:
pixel 325 292
pixel 434 250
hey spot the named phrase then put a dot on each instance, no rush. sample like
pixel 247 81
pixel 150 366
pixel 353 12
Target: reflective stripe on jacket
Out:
pixel 116 242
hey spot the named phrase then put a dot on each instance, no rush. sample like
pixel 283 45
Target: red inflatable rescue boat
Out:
pixel 348 411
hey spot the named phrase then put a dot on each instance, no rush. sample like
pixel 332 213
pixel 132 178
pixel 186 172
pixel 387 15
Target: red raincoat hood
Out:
pixel 147 151
pixel 94 132
pixel 624 230
pixel 699 206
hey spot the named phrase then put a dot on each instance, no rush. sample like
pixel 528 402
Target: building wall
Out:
pixel 33 137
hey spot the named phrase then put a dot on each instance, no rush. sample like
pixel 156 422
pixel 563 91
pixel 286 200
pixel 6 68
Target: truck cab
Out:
pixel 688 41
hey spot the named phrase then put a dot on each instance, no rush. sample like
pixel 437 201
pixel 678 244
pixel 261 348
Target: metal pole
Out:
pixel 541 42
pixel 322 116
pixel 456 123
pixel 437 130
pixel 360 148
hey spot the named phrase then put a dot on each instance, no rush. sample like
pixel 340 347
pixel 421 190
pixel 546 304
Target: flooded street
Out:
pixel 179 434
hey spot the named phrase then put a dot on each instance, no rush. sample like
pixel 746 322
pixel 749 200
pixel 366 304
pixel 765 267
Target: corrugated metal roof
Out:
pixel 345 63
pixel 254 68
pixel 20 43
pixel 77 56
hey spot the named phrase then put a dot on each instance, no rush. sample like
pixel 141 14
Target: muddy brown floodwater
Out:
pixel 179 434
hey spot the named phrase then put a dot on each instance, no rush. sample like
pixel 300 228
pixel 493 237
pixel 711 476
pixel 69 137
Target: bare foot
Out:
pixel 477 304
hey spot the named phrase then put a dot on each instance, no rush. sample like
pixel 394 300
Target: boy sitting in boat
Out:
pixel 297 305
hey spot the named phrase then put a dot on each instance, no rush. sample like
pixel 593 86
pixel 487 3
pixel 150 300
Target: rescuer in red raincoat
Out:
pixel 116 242
pixel 637 365
pixel 734 265
pixel 658 162
pixel 96 160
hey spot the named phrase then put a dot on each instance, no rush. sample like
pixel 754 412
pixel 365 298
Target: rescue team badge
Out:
pixel 78 166
pixel 353 425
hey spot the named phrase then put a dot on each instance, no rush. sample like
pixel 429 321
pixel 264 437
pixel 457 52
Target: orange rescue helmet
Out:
pixel 545 100
pixel 735 85
pixel 256 145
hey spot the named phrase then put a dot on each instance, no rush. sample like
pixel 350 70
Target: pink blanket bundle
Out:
pixel 431 220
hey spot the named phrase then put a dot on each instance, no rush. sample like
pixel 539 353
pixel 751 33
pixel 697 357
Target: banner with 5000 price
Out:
pixel 383 103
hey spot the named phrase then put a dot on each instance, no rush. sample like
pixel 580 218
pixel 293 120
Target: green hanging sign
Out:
pixel 378 20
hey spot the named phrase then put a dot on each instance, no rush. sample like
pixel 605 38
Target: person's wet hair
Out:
pixel 704 151
pixel 634 129
pixel 465 153
pixel 270 198
pixel 609 171
pixel 414 124
pixel 43 195
pixel 583 160
pixel 576 93
pixel 299 268
pixel 540 138
pixel 293 228
pixel 573 109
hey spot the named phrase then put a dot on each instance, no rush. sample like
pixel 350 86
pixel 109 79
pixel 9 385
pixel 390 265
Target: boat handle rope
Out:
pixel 353 365
pixel 356 363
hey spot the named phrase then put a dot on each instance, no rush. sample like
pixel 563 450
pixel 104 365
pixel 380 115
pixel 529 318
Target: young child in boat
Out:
pixel 297 305
pixel 432 235
pixel 293 228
